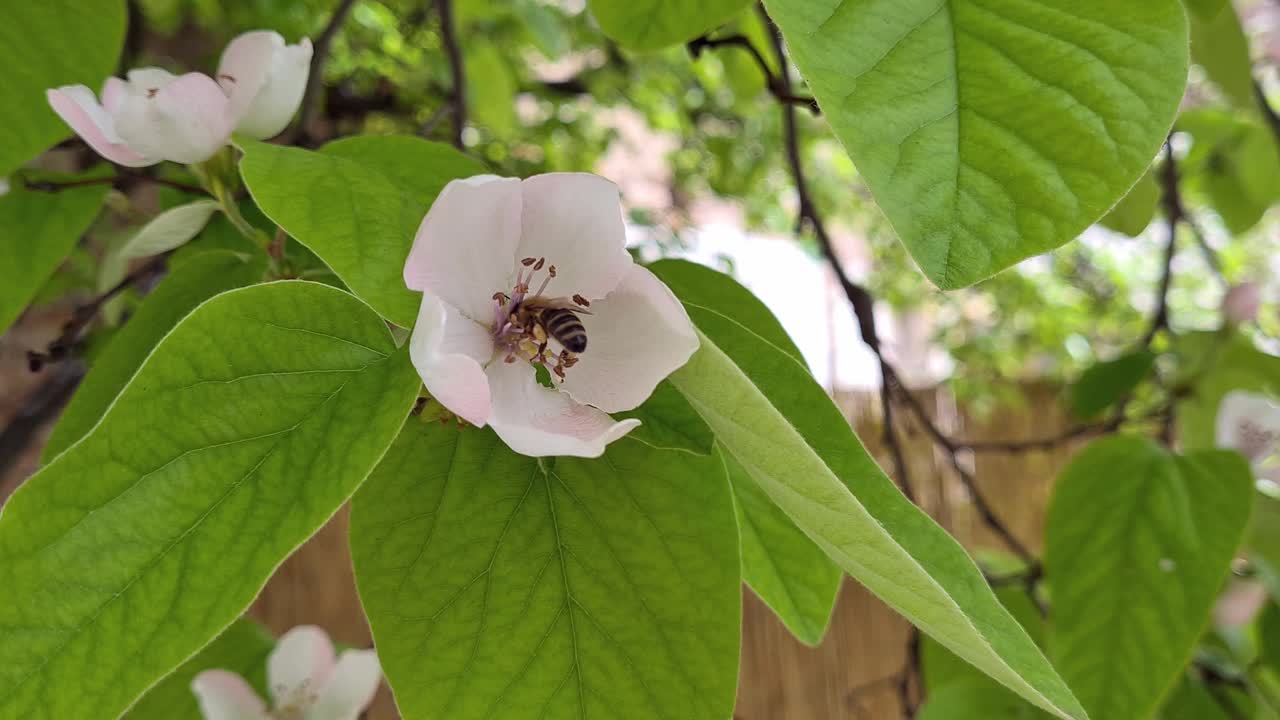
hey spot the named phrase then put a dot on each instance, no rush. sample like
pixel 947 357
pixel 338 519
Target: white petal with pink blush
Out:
pixel 265 79
pixel 304 679
pixel 149 117
pixel 522 278
pixel 1249 423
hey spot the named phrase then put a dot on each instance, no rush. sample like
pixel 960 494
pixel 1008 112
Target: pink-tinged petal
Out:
pixel 538 421
pixel 265 79
pixel 574 220
pixel 185 121
pixel 466 246
pixel 351 689
pixel 1249 423
pixel 224 695
pixel 636 336
pixel 448 351
pixel 1240 304
pixel 113 91
pixel 76 105
pixel 301 663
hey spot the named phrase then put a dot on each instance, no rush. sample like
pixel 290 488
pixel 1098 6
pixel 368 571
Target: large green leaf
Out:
pixel 187 285
pixel 654 24
pixel 778 423
pixel 246 428
pixel 791 574
pixel 1135 210
pixel 357 204
pixel 37 232
pixel 242 649
pixel 975 700
pixel 1138 542
pixel 1219 46
pixel 502 586
pixel 992 130
pixel 45 45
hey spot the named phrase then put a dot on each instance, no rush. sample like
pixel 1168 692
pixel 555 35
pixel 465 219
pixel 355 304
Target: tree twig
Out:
pixel 319 56
pixel 119 181
pixel 1174 214
pixel 1269 112
pixel 457 70
pixel 61 347
pixel 777 84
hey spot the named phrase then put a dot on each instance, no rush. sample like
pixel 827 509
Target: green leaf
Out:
pixel 1138 542
pixel 46 45
pixel 791 574
pixel 1105 383
pixel 669 423
pixel 491 88
pixel 976 701
pixel 503 586
pixel 1205 9
pixel 772 417
pixel 244 431
pixel 1136 209
pixel 992 130
pixel 1219 363
pixel 242 649
pixel 37 231
pixel 1191 700
pixel 187 285
pixel 1218 45
pixel 1269 635
pixel 940 667
pixel 357 204
pixel 654 24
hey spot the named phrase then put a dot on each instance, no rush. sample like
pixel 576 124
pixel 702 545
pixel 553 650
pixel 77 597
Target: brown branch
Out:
pixel 778 85
pixel 1269 112
pixel 457 70
pixel 61 347
pixel 319 56
pixel 1174 214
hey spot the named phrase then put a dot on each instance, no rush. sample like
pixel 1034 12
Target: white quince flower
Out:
pixel 152 116
pixel 1250 424
pixel 535 272
pixel 305 683
pixel 1240 304
pixel 265 80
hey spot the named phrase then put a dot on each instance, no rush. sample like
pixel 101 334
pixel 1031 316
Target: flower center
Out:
pixel 1255 442
pixel 526 325
pixel 293 703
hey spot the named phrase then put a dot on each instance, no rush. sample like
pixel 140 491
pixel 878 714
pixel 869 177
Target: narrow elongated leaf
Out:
pixel 1105 383
pixel 502 586
pixel 37 231
pixel 242 649
pixel 992 130
pixel 187 285
pixel 791 574
pixel 357 204
pixel 939 667
pixel 1138 542
pixel 246 428
pixel 45 45
pixel 654 24
pixel 770 415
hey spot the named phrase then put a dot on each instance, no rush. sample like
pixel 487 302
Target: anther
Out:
pixel 151 92
pixel 581 301
pixel 538 265
pixel 500 297
pixel 552 270
pixel 527 262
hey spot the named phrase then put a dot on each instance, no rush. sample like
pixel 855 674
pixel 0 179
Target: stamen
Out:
pixel 509 359
pixel 528 261
pixel 500 298
pixel 552 270
pixel 581 301
pixel 224 76
pixel 538 265
pixel 545 282
pixel 151 92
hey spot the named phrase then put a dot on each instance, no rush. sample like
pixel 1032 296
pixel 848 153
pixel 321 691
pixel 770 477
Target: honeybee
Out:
pixel 555 318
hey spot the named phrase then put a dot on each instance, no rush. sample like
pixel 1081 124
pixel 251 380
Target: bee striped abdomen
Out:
pixel 564 326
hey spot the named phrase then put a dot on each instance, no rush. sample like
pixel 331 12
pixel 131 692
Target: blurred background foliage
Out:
pixel 549 92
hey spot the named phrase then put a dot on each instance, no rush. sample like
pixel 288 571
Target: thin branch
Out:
pixel 1273 119
pixel 457 70
pixel 40 407
pixel 1174 214
pixel 61 347
pixel 119 181
pixel 319 56
pixel 778 85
